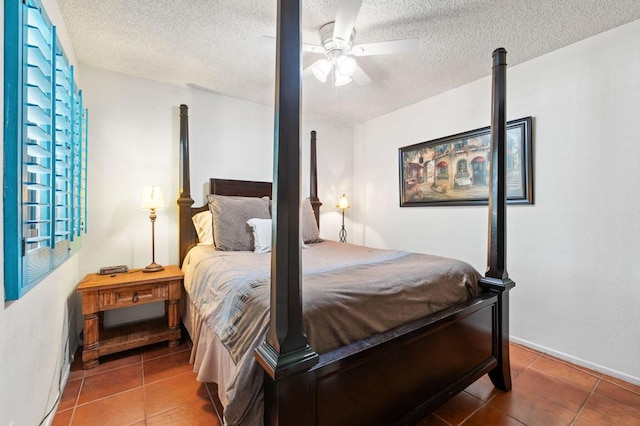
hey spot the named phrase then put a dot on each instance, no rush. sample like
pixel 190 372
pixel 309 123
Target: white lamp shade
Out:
pixel 341 80
pixel 321 69
pixel 343 203
pixel 346 65
pixel 152 198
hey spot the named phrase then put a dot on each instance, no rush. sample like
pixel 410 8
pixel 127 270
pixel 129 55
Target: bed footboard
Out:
pixel 395 377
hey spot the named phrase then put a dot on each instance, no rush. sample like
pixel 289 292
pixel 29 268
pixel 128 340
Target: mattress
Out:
pixel 349 293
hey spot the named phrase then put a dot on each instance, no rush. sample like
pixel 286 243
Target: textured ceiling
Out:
pixel 219 44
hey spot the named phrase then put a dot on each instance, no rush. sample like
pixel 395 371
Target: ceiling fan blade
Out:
pixel 198 87
pixel 360 77
pixel 312 48
pixel 386 47
pixel 346 19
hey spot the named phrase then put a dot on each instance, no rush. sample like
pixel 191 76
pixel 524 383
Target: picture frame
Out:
pixel 454 170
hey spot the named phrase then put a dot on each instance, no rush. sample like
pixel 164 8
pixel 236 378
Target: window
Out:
pixel 45 150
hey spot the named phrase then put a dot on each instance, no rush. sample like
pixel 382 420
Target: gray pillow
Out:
pixel 230 216
pixel 310 231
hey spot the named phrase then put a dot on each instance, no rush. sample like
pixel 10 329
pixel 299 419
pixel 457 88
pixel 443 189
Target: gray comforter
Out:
pixel 349 293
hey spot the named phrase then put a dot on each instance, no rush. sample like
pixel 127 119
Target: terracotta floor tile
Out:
pixel 518 345
pixel 629 386
pixel 62 418
pixel 603 411
pixel 483 389
pixel 110 383
pixel 517 369
pixel 174 392
pixel 537 399
pixel 432 420
pixel 166 366
pixel 124 408
pixel 458 408
pixel 70 394
pixel 489 415
pixel 77 369
pixel 196 413
pixel 120 359
pixel 618 394
pixel 157 381
pixel 565 372
pixel 520 355
pixel 162 348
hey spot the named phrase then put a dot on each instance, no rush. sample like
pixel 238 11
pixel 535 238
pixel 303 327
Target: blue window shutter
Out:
pixel 38 161
pixel 13 71
pixel 41 156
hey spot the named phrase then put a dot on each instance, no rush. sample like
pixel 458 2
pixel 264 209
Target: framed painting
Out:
pixel 454 170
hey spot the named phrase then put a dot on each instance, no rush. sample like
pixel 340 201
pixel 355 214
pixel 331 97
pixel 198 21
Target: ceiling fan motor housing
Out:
pixel 337 47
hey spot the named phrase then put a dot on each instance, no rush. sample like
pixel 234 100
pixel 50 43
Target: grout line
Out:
pixel 575 419
pixel 108 396
pixel 621 386
pixel 144 388
pixel 164 355
pixel 75 402
pixel 474 411
pixel 440 418
pixel 575 366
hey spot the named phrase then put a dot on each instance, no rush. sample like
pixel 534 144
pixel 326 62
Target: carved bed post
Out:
pixel 286 350
pixel 313 184
pixel 497 278
pixel 185 201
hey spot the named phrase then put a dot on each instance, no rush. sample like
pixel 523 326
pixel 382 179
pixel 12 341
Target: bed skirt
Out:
pixel 211 361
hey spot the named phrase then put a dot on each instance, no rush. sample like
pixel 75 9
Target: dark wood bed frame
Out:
pixel 394 377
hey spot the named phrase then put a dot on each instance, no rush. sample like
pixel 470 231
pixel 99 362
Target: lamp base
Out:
pixel 153 267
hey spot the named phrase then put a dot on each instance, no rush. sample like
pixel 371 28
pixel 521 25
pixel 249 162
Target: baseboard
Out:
pixel 578 361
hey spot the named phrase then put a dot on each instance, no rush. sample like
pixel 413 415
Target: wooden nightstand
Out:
pixel 103 292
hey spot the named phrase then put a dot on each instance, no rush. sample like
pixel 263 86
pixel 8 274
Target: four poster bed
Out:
pixel 380 351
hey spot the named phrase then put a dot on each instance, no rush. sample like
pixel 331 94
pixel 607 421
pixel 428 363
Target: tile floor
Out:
pixel 155 386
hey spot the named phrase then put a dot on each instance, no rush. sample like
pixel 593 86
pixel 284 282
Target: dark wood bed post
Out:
pixel 286 350
pixel 185 201
pixel 313 184
pixel 497 278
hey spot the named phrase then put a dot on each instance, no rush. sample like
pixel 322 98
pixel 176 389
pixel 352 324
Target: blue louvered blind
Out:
pixel 45 150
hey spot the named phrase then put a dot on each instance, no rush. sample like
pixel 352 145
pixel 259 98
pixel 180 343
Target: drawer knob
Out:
pixel 134 299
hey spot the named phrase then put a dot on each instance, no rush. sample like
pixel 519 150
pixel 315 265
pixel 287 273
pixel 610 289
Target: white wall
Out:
pixel 33 330
pixel 134 141
pixel 574 254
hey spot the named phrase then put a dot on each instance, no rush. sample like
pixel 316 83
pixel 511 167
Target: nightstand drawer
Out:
pixel 133 295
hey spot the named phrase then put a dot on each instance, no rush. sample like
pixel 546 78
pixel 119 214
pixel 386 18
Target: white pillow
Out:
pixel 261 234
pixel 203 222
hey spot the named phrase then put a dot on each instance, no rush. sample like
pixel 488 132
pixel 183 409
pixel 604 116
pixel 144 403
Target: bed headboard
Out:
pixel 243 188
pixel 187 233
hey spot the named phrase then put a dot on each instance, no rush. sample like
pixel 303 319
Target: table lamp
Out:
pixel 152 199
pixel 343 204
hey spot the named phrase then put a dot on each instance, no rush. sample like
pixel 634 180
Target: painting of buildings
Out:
pixel 455 170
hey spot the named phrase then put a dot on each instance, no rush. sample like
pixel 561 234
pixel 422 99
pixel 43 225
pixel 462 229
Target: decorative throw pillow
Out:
pixel 261 234
pixel 203 222
pixel 308 224
pixel 230 216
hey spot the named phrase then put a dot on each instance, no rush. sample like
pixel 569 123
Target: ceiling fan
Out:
pixel 337 45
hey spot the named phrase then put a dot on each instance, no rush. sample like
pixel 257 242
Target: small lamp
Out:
pixel 343 204
pixel 152 199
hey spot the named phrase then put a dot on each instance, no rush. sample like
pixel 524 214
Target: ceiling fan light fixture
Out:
pixel 340 79
pixel 346 65
pixel 321 70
